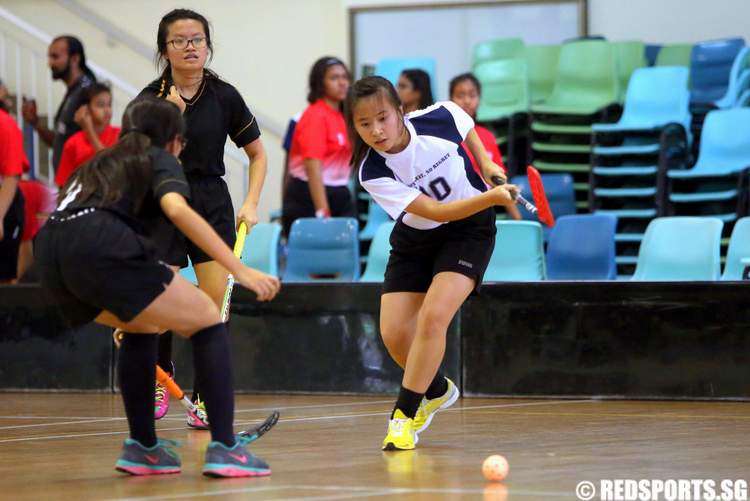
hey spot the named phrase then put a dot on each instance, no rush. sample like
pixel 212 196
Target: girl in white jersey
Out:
pixel 414 167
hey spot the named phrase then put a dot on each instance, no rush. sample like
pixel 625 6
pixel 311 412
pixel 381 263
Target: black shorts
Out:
pixel 298 202
pixel 95 262
pixel 12 231
pixel 209 197
pixel 463 247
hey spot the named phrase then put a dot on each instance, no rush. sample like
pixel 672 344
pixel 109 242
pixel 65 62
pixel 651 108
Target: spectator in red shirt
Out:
pixel 465 91
pixel 39 203
pixel 319 160
pixel 415 90
pixel 96 132
pixel 11 198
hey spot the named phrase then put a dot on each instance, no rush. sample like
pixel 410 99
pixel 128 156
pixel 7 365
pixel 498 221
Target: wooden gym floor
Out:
pixel 63 446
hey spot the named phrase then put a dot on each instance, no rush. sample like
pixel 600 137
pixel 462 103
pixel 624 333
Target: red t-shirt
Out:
pixel 78 150
pixel 12 156
pixel 39 201
pixel 321 134
pixel 488 140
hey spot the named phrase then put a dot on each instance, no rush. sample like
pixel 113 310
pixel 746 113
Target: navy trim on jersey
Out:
pixel 471 174
pixel 374 167
pixel 437 123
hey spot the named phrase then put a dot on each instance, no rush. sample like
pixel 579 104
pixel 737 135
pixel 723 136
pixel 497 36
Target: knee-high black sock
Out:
pixel 137 373
pixel 213 374
pixel 438 387
pixel 407 402
pixel 165 352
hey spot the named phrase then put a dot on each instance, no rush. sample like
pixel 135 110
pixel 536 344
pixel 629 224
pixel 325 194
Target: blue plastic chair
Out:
pixel 380 251
pixel 376 216
pixel 724 153
pixel 710 66
pixel 391 68
pixel 739 80
pixel 560 193
pixel 262 248
pixel 656 97
pixel 582 247
pixel 651 52
pixel 739 250
pixel 680 249
pixel 518 254
pixel 323 250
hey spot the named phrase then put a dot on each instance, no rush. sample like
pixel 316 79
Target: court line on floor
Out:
pixel 63 423
pixel 253 409
pixel 299 419
pixel 350 492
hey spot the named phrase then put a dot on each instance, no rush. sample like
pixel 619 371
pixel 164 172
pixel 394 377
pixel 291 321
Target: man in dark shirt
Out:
pixel 67 61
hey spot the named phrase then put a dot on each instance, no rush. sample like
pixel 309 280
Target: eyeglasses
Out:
pixel 183 142
pixel 182 43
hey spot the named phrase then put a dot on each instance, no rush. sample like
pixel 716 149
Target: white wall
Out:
pixel 669 21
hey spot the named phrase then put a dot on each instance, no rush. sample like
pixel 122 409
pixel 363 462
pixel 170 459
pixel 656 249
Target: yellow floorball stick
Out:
pixel 239 244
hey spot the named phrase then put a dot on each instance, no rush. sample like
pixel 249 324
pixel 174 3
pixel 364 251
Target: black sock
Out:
pixel 213 373
pixel 165 353
pixel 136 370
pixel 407 402
pixel 437 388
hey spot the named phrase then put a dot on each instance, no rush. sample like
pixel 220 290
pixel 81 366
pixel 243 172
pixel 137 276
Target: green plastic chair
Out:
pixel 674 55
pixel 680 249
pixel 542 63
pixel 492 50
pixel 262 248
pixel 380 251
pixel 739 249
pixel 505 88
pixel 630 57
pixel 518 254
pixel 586 80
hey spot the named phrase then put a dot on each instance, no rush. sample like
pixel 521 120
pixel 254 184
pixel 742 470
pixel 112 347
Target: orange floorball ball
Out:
pixel 495 468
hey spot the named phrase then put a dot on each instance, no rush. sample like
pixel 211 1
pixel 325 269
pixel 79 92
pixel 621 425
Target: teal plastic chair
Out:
pixel 680 249
pixel 188 273
pixel 262 248
pixel 518 254
pixel 505 89
pixel 724 154
pixel 323 250
pixel 380 251
pixel 494 50
pixel 739 250
pixel 376 217
pixel 391 68
pixel 739 80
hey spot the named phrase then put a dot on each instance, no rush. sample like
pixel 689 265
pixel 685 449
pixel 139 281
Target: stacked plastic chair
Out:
pixel 680 249
pixel 738 256
pixel 505 103
pixel 674 55
pixel 324 250
pixel 586 90
pixel 380 251
pixel 582 247
pixel 542 64
pixel 653 131
pixel 559 191
pixel 718 182
pixel 262 248
pixel 518 254
pixel 711 66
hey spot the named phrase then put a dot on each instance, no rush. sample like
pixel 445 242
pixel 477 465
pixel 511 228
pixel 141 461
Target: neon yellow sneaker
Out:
pixel 401 436
pixel 428 408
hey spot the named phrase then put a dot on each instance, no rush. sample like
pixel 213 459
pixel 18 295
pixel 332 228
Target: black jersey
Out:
pixel 216 111
pixel 64 123
pixel 166 177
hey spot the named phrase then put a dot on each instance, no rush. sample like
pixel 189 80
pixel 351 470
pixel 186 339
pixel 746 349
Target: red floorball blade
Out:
pixel 540 199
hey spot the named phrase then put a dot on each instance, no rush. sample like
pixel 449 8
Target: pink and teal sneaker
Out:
pixel 223 461
pixel 161 404
pixel 193 420
pixel 138 460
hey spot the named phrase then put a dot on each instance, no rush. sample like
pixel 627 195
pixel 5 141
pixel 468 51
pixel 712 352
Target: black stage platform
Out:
pixel 546 339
